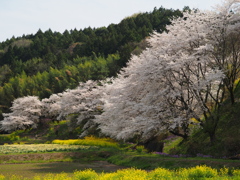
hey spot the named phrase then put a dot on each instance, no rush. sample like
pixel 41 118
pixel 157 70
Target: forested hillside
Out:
pixel 49 62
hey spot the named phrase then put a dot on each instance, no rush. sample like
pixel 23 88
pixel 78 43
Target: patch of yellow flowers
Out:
pixel 90 141
pixel 198 172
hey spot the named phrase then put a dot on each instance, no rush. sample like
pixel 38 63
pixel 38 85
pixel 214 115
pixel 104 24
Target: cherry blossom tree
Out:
pixel 84 103
pixel 225 38
pixel 85 98
pixel 79 105
pixel 52 106
pixel 25 114
pixel 180 80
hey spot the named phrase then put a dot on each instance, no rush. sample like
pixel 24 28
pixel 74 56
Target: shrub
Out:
pixel 2 177
pixel 141 149
pixel 236 173
pixel 61 176
pixel 160 173
pixel 130 174
pixel 198 172
pixel 87 174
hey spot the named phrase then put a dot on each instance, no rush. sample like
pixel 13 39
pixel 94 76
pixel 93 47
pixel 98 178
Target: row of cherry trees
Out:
pixel 181 80
pixel 29 111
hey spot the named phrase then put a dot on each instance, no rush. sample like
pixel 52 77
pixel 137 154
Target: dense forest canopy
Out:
pixel 50 62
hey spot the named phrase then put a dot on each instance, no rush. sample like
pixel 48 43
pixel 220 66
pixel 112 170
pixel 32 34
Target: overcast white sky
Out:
pixel 18 17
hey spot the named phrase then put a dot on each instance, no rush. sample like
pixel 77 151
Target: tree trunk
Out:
pixel 232 97
pixel 212 137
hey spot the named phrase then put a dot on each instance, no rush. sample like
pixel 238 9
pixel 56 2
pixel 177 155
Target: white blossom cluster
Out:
pixel 25 114
pixel 28 111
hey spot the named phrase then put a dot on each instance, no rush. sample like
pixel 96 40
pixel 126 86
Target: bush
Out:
pixel 130 174
pixel 160 173
pixel 2 177
pixel 198 172
pixel 87 174
pixel 141 149
pixel 236 173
